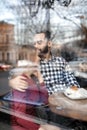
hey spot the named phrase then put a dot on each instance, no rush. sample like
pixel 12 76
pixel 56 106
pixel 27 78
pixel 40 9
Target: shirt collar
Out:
pixel 53 58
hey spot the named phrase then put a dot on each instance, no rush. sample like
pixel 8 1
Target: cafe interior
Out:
pixel 67 22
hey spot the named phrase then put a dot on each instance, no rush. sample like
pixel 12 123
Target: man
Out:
pixel 55 71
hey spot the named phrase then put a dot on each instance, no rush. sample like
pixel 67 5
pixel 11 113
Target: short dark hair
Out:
pixel 47 34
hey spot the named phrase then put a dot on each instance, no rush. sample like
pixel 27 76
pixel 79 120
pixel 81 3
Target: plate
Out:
pixel 79 93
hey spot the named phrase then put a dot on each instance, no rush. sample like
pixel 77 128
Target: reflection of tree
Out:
pixel 68 53
pixel 33 15
pixel 82 43
pixel 84 30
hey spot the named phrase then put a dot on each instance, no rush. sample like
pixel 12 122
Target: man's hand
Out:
pixel 39 76
pixel 19 83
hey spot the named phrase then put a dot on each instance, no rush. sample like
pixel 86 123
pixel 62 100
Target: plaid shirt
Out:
pixel 57 74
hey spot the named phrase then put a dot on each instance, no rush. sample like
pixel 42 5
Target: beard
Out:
pixel 43 52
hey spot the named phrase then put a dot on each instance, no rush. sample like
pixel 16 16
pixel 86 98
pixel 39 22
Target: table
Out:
pixel 62 105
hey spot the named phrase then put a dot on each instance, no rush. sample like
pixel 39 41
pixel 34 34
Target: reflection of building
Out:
pixel 25 54
pixel 9 51
pixel 8 48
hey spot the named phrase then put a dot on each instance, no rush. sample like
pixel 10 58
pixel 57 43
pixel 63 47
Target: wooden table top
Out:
pixel 62 105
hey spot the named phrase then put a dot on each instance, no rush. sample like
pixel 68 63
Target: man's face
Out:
pixel 41 44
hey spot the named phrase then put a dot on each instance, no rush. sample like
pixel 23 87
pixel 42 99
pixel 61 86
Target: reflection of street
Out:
pixel 4 82
pixel 80 66
pixel 83 66
pixel 4 121
pixel 5 118
pixel 80 75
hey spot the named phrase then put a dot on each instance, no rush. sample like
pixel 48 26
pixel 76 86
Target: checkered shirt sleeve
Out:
pixel 69 77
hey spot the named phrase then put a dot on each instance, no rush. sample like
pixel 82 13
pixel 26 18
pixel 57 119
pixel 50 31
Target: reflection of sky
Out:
pixel 6 13
pixel 59 17
pixel 9 15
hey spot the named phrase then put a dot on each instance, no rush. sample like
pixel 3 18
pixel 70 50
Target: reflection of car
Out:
pixel 83 66
pixel 74 65
pixel 5 67
pixel 23 63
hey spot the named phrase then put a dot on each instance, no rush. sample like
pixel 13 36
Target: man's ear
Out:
pixel 49 44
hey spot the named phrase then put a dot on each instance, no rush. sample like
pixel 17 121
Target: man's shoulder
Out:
pixel 61 61
pixel 59 58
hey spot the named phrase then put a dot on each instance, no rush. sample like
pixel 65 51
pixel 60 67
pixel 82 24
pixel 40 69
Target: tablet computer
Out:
pixel 10 98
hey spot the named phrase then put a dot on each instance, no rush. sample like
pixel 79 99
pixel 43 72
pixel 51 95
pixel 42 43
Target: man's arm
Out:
pixel 69 77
